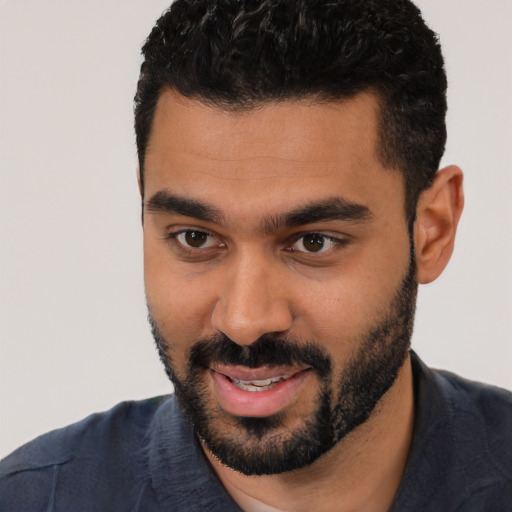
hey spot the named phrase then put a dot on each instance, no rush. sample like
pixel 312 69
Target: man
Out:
pixel 288 155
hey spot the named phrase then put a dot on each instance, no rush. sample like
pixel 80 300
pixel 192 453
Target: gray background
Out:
pixel 74 336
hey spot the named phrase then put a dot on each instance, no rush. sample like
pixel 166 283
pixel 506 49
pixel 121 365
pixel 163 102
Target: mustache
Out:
pixel 268 350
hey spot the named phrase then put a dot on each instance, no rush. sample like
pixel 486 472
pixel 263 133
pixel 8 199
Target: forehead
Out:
pixel 291 150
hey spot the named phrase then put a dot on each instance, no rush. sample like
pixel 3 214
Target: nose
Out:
pixel 252 301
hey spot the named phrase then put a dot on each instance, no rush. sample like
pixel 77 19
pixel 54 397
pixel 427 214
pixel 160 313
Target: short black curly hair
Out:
pixel 238 54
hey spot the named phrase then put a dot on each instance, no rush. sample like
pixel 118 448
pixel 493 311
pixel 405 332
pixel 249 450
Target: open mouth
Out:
pixel 258 385
pixel 257 392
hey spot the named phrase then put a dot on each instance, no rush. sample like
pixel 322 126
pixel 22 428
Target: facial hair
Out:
pixel 268 445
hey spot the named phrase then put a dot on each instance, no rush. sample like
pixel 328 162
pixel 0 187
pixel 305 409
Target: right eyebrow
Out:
pixel 165 202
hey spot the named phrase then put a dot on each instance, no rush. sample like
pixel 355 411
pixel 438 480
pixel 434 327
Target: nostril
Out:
pixel 246 325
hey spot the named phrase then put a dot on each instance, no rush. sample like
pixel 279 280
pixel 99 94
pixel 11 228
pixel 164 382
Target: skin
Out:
pixel 247 282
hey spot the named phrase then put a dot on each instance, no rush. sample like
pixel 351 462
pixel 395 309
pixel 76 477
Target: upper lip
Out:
pixel 261 373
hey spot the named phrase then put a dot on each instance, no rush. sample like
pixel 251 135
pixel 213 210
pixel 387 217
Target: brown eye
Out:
pixel 313 242
pixel 196 239
pixel 316 243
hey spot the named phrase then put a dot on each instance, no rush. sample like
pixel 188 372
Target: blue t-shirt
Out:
pixel 144 456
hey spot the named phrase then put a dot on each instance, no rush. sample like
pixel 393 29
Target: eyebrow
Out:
pixel 165 202
pixel 332 208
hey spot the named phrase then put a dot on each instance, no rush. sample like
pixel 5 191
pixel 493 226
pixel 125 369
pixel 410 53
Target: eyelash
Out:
pixel 336 242
pixel 174 237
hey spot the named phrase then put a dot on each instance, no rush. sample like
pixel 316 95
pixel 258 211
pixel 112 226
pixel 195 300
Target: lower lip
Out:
pixel 257 404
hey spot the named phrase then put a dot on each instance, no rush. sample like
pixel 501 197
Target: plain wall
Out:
pixel 74 335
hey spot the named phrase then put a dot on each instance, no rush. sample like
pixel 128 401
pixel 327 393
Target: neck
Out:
pixel 362 473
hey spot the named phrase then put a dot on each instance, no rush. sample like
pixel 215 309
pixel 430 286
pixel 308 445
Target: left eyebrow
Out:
pixel 333 208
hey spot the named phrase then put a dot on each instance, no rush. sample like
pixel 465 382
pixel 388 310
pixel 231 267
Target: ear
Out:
pixel 437 216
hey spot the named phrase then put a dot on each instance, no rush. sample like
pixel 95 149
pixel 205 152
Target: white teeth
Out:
pixel 264 382
pixel 257 385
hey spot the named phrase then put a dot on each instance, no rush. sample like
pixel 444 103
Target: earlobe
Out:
pixel 437 216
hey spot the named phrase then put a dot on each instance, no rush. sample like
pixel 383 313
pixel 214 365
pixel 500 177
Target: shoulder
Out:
pixel 137 456
pixel 470 391
pixel 480 411
pixel 102 450
pixel 126 422
pixel 461 453
pixel 488 405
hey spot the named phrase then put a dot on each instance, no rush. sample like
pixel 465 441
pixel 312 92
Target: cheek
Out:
pixel 334 314
pixel 176 302
pixel 339 309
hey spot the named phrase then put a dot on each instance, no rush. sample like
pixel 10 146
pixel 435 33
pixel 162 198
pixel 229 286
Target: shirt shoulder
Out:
pixel 461 453
pixel 99 456
pixel 482 440
pixel 138 456
pixel 484 412
pixel 103 432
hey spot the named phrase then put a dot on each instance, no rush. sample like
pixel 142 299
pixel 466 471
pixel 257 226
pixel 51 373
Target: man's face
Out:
pixel 278 273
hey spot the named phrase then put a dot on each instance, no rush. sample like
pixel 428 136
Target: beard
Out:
pixel 345 400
